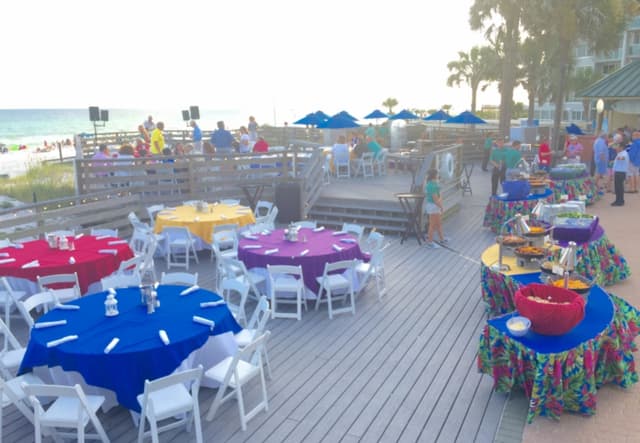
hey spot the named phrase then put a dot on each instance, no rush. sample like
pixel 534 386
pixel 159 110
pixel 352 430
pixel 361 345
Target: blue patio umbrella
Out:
pixel 376 114
pixel 338 122
pixel 346 115
pixel 404 115
pixel 466 118
pixel 321 115
pixel 309 119
pixel 437 116
pixel 574 129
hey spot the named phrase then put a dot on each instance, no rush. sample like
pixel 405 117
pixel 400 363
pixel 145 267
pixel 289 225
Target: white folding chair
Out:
pixel 262 210
pixel 271 220
pixel 235 289
pixel 152 211
pixel 342 165
pixel 5 242
pixel 99 232
pixel 235 372
pixel 179 278
pixel 372 269
pixel 286 285
pixel 337 287
pixel 11 393
pixel 225 237
pixel 169 397
pixel 364 165
pixel 40 301
pixel 255 328
pixel 236 269
pixel 374 241
pixel 326 170
pixel 353 228
pixel 380 162
pixel 130 266
pixel 71 291
pixel 143 243
pixel 120 281
pixel 61 233
pixel 12 352
pixel 8 298
pixel 311 224
pixel 71 409
pixel 230 201
pixel 179 244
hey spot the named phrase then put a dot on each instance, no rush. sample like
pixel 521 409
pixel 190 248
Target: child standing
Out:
pixel 433 208
pixel 620 170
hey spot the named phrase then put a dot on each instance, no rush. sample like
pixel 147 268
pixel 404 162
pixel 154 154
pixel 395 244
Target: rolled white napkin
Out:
pixel 337 248
pixel 348 240
pixel 112 344
pixel 266 232
pixel 243 211
pixel 339 233
pixel 170 217
pixel 305 252
pixel 196 219
pixel 58 342
pixel 4 254
pixel 118 242
pixel 204 321
pixel 111 291
pixel 224 217
pixel 17 245
pixel 66 307
pixel 163 336
pixel 250 237
pixel 212 304
pixel 190 289
pixel 271 251
pixel 318 229
pixel 72 260
pixel 31 264
pixel 48 324
pixel 102 237
pixel 251 247
pixel 108 251
pixel 7 260
pixel 79 236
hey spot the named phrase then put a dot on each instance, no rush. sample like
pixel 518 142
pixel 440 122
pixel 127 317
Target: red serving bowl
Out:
pixel 562 312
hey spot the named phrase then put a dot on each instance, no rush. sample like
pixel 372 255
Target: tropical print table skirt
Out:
pixel 575 188
pixel 498 210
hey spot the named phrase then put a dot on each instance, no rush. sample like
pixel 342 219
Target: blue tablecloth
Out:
pixel 599 313
pixel 140 354
pixel 547 193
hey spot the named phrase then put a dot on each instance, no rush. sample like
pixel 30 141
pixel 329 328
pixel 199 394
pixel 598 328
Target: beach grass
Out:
pixel 47 181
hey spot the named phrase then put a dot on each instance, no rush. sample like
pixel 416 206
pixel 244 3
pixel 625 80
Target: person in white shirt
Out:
pixel 244 140
pixel 620 169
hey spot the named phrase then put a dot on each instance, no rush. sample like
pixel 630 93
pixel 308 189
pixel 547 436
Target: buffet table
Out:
pixel 574 188
pixel 500 209
pixel 140 353
pixel 562 373
pixel 92 259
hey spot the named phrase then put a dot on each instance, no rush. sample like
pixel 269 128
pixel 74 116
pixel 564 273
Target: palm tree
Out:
pixel 534 70
pixel 501 21
pixel 389 104
pixel 472 68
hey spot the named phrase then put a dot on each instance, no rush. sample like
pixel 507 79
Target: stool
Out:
pixel 411 204
pixel 465 181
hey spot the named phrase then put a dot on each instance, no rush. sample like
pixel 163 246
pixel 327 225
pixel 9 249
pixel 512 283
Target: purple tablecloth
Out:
pixel 595 235
pixel 319 244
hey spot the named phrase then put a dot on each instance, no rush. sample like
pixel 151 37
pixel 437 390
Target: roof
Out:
pixel 624 83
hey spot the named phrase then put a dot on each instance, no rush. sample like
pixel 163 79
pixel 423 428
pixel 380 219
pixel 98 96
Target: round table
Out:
pixel 574 188
pixel 201 224
pixel 140 354
pixel 321 246
pixel 500 209
pixel 562 373
pixel 90 264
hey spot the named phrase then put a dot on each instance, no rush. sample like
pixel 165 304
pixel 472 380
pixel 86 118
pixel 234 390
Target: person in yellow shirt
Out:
pixel 157 139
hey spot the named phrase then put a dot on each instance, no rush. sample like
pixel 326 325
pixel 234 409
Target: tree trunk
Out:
pixel 559 96
pixel 509 72
pixel 474 93
pixel 532 105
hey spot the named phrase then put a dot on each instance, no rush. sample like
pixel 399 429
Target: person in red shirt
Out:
pixel 261 145
pixel 544 156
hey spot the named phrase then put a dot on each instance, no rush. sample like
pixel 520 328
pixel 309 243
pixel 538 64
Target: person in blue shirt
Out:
pixel 222 140
pixel 601 161
pixel 197 137
pixel 634 161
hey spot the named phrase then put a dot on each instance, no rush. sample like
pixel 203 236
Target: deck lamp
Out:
pixel 568 259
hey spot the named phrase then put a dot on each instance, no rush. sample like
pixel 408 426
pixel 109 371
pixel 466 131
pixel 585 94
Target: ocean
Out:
pixel 32 127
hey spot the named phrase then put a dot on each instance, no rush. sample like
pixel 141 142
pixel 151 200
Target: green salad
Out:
pixel 574 215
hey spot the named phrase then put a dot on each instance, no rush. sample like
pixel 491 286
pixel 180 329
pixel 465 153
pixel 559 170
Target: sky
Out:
pixel 277 60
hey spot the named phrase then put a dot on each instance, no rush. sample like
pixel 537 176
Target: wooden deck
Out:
pixel 402 369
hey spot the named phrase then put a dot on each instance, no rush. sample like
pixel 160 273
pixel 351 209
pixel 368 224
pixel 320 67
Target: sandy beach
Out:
pixel 17 162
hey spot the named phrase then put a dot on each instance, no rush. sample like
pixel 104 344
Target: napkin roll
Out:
pixel 337 248
pixel 67 307
pixel 31 264
pixel 112 344
pixel 212 304
pixel 305 252
pixel 204 321
pixel 108 251
pixel 102 237
pixel 58 342
pixel 339 233
pixel 190 289
pixel 163 336
pixel 271 251
pixel 48 324
pixel 251 247
pixel 79 236
pixel 4 254
pixel 348 240
pixel 319 229
pixel 117 242
pixel 7 260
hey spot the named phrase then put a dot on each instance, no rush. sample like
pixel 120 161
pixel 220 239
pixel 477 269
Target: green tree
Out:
pixel 500 19
pixel 419 112
pixel 446 108
pixel 580 80
pixel 534 70
pixel 389 104
pixel 472 68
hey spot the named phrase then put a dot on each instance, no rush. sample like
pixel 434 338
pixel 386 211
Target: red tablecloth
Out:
pixel 90 264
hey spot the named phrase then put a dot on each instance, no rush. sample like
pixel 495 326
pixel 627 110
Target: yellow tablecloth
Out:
pixel 490 257
pixel 201 224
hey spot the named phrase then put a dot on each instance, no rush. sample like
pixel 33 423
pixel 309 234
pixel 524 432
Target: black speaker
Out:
pixel 185 115
pixel 195 112
pixel 94 114
pixel 104 115
pixel 288 199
